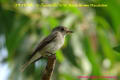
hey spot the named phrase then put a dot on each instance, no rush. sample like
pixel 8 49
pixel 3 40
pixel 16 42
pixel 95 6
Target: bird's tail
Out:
pixel 24 66
pixel 32 60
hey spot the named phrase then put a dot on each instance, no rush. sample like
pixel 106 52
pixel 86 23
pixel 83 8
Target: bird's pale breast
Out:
pixel 55 44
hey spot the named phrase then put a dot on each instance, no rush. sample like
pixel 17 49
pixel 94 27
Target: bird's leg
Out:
pixel 49 54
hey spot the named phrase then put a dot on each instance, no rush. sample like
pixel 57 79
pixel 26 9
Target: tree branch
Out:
pixel 49 68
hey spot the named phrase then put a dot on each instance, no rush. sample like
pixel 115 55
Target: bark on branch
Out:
pixel 49 68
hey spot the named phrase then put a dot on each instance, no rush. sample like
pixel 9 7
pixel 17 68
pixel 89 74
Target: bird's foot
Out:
pixel 49 54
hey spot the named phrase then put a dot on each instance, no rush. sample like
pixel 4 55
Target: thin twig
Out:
pixel 49 68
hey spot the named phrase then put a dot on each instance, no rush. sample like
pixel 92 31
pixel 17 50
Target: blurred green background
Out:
pixel 92 50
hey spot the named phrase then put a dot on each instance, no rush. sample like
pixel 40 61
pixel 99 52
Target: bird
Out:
pixel 49 45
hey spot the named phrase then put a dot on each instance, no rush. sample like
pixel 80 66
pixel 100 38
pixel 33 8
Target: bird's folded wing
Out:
pixel 44 42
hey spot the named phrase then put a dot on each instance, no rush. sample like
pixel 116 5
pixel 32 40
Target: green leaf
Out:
pixel 59 56
pixel 69 54
pixel 117 48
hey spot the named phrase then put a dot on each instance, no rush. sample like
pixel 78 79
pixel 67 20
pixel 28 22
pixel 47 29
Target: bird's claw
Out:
pixel 49 54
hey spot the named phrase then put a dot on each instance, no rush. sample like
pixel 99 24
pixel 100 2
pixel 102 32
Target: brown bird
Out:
pixel 49 45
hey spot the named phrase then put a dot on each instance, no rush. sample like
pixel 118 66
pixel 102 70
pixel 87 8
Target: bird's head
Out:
pixel 62 29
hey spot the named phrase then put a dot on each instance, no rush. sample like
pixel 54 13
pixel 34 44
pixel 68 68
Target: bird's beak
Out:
pixel 69 31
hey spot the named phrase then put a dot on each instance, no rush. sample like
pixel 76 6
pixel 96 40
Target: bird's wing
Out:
pixel 44 42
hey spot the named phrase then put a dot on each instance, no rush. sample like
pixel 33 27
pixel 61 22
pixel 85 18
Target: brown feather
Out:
pixel 43 43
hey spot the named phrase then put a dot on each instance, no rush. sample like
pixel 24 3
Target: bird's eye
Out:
pixel 62 29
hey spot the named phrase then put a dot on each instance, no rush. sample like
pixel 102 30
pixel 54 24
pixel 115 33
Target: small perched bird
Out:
pixel 49 45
